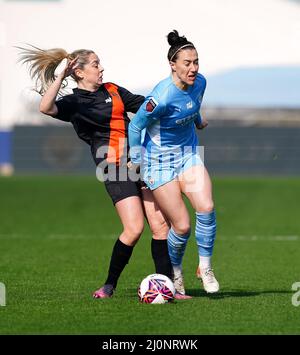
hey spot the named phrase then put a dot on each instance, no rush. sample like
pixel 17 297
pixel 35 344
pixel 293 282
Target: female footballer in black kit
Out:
pixel 98 113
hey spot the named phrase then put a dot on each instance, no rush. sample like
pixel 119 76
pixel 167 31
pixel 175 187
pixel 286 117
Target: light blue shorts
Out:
pixel 156 172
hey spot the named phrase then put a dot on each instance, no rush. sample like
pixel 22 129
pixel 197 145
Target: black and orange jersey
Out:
pixel 100 118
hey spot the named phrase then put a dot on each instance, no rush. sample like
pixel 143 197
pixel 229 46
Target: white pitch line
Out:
pixel 243 238
pixel 255 238
pixel 60 236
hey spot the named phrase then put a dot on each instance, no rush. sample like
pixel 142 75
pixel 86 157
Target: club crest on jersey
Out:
pixel 151 181
pixel 189 105
pixel 151 104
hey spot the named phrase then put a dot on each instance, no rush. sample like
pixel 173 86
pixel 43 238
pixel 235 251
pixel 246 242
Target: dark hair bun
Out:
pixel 175 40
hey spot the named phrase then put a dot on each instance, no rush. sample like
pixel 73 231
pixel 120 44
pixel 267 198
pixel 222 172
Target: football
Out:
pixel 156 288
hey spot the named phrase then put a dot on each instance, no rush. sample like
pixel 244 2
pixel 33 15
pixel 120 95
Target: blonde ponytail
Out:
pixel 42 64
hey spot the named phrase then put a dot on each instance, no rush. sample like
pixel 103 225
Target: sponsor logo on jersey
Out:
pixel 151 104
pixel 186 120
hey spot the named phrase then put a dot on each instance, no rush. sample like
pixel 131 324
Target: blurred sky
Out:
pixel 248 50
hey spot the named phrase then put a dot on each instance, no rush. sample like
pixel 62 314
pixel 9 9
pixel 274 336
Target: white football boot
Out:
pixel 179 285
pixel 209 281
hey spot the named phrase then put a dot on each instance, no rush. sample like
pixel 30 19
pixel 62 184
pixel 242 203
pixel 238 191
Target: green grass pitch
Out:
pixel 56 237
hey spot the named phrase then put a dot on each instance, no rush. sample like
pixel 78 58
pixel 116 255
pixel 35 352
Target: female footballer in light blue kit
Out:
pixel 170 161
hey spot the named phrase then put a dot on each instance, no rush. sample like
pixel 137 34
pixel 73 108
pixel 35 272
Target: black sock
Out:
pixel 119 259
pixel 161 258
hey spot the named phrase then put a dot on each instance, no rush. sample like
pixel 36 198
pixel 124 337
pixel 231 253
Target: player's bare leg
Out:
pixel 196 185
pixel 172 204
pixel 131 214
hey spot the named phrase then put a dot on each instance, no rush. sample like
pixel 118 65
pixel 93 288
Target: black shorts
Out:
pixel 119 182
pixel 119 190
pixel 117 179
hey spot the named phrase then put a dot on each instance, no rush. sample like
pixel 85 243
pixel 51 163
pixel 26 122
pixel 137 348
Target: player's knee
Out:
pixel 134 230
pixel 206 206
pixel 182 228
pixel 160 230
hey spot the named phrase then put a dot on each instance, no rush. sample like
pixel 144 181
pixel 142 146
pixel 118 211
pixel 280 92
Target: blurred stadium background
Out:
pixel 249 52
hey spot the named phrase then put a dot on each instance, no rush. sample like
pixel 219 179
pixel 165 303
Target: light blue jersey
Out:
pixel 169 146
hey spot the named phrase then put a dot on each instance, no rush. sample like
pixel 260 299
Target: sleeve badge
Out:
pixel 151 104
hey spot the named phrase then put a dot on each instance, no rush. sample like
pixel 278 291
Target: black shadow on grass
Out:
pixel 132 293
pixel 233 293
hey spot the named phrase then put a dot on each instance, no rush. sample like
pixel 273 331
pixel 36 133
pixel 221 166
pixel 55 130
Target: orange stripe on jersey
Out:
pixel 117 126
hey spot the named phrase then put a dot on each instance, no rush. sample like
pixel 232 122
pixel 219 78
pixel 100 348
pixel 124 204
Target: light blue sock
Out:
pixel 205 232
pixel 176 246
